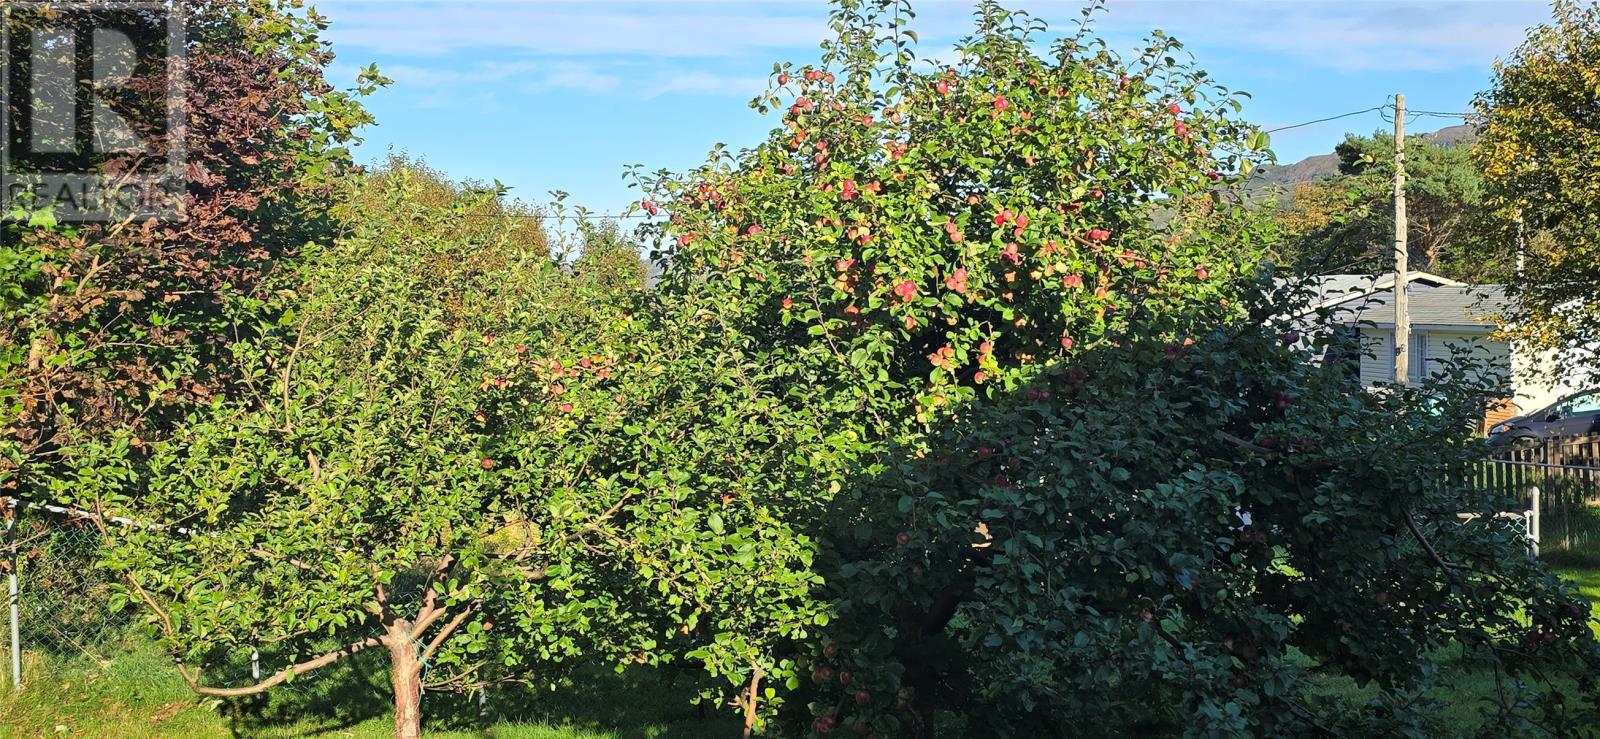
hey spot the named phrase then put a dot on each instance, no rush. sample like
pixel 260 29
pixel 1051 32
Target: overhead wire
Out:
pixel 1325 120
pixel 1382 110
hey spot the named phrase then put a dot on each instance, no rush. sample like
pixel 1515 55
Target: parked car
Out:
pixel 1574 415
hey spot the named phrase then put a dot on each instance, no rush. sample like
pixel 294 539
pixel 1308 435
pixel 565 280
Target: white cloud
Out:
pixel 1346 36
pixel 440 83
pixel 707 83
pixel 580 77
pixel 439 76
pixel 1371 34
pixel 674 47
pixel 568 28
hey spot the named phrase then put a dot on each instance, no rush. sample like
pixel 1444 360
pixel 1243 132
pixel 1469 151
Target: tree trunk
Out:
pixel 406 676
pixel 750 702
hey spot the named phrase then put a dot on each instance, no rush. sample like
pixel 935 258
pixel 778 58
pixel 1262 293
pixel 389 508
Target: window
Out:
pixel 1417 369
pixel 1582 404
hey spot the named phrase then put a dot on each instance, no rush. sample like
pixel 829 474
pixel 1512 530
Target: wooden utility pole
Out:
pixel 1402 307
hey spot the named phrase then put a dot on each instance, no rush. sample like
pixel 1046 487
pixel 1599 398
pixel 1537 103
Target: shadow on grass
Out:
pixel 639 703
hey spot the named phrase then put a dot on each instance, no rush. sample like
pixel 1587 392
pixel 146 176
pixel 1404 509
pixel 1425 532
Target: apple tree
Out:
pixel 1069 457
pixel 426 463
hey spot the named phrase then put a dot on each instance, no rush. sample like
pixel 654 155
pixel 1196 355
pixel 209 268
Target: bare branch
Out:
pixel 292 671
pixel 430 597
pixel 1241 443
pixel 458 681
pixel 444 633
pixel 1448 567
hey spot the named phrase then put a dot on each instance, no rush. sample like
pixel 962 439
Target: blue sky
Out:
pixel 545 95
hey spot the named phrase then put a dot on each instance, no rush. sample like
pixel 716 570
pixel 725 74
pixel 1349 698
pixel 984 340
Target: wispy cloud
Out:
pixel 580 77
pixel 708 83
pixel 1345 36
pixel 1359 35
pixel 667 29
pixel 434 83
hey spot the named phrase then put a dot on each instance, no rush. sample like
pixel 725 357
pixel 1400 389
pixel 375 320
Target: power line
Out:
pixel 1329 118
pixel 552 217
pixel 1381 109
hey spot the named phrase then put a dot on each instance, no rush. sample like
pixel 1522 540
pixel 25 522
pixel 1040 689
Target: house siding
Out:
pixel 1496 354
pixel 1377 355
pixel 1435 348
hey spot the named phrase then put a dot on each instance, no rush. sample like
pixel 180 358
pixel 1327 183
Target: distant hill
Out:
pixel 1322 166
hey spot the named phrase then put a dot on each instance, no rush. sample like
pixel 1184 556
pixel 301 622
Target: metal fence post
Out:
pixel 14 599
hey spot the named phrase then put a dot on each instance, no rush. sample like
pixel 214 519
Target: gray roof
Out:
pixel 1473 307
pixel 1331 289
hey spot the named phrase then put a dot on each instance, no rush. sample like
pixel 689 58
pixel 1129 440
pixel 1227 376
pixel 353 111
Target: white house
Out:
pixel 1448 319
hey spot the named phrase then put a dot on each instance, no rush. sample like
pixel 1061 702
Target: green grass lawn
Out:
pixel 1466 685
pixel 1583 573
pixel 134 693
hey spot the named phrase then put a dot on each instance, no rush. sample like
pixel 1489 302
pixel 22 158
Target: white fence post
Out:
pixel 1533 521
pixel 14 599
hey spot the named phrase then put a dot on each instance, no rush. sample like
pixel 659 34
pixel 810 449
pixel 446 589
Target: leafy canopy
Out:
pixel 1346 223
pixel 1538 146
pixel 1074 462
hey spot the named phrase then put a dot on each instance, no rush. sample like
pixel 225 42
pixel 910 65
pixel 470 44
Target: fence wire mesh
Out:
pixel 1565 475
pixel 63 613
pixel 66 623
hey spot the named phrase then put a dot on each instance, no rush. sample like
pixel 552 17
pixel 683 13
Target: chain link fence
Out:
pixel 61 621
pixel 57 610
